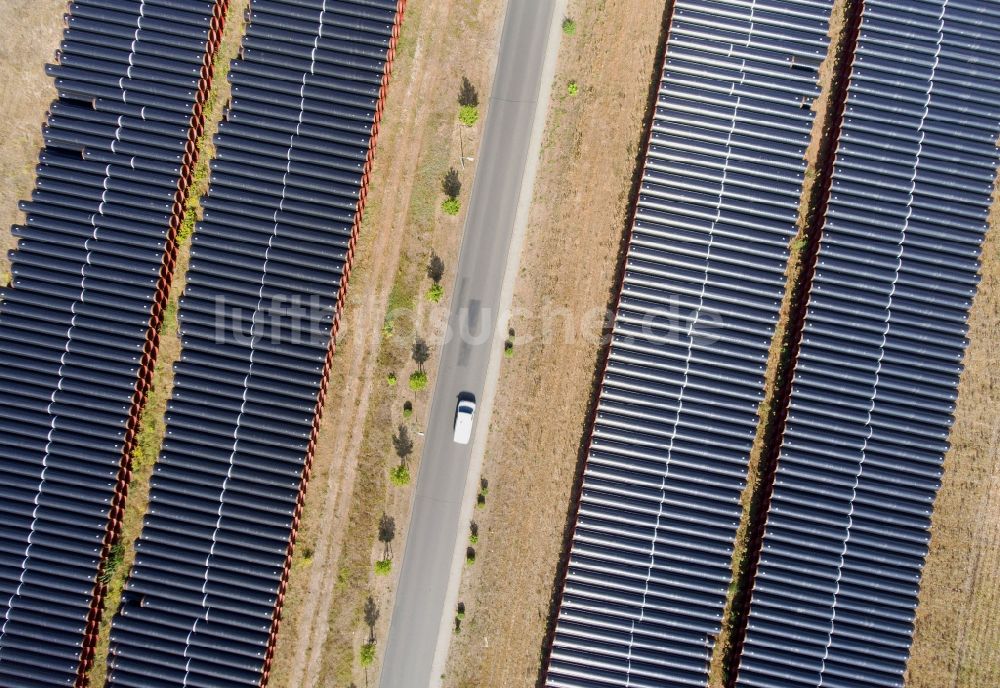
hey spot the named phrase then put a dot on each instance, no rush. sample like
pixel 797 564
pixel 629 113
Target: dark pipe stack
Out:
pixel 78 328
pixel 269 270
pixel 649 566
pixel 884 335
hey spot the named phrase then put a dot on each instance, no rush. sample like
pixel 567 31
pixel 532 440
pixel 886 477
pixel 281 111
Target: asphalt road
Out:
pixel 408 661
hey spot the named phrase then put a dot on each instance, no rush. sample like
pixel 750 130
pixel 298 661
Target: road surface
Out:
pixel 409 658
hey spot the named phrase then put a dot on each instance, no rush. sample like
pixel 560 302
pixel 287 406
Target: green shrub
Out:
pixel 470 556
pixel 407 409
pixel 572 88
pixel 367 654
pixel 569 26
pixel 383 567
pixel 418 380
pixel 435 293
pixel 451 206
pixel 400 475
pixel 468 115
pixel 391 379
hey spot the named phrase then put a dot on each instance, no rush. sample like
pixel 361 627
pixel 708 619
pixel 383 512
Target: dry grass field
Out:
pixel 31 33
pixel 576 225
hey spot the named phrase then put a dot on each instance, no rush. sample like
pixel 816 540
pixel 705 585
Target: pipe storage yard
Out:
pixel 878 367
pixel 269 270
pixel 851 466
pixel 650 561
pixel 876 352
pixel 78 328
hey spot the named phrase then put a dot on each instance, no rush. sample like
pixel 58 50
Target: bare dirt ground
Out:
pixel 571 251
pixel 957 638
pixel 31 33
pixel 420 139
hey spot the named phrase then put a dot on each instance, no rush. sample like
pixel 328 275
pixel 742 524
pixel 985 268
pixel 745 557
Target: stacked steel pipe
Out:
pixel 649 566
pixel 258 320
pixel 78 328
pixel 877 370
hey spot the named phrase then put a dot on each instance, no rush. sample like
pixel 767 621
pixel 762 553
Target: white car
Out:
pixel 464 414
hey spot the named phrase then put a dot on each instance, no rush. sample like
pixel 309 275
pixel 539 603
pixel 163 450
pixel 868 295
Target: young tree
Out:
pixel 402 442
pixel 435 268
pixel 400 475
pixel 371 617
pixel 468 101
pixel 386 533
pixel 451 184
pixel 421 352
pixel 468 96
pixel 418 380
pixel 467 115
pixel 435 293
pixel 367 658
